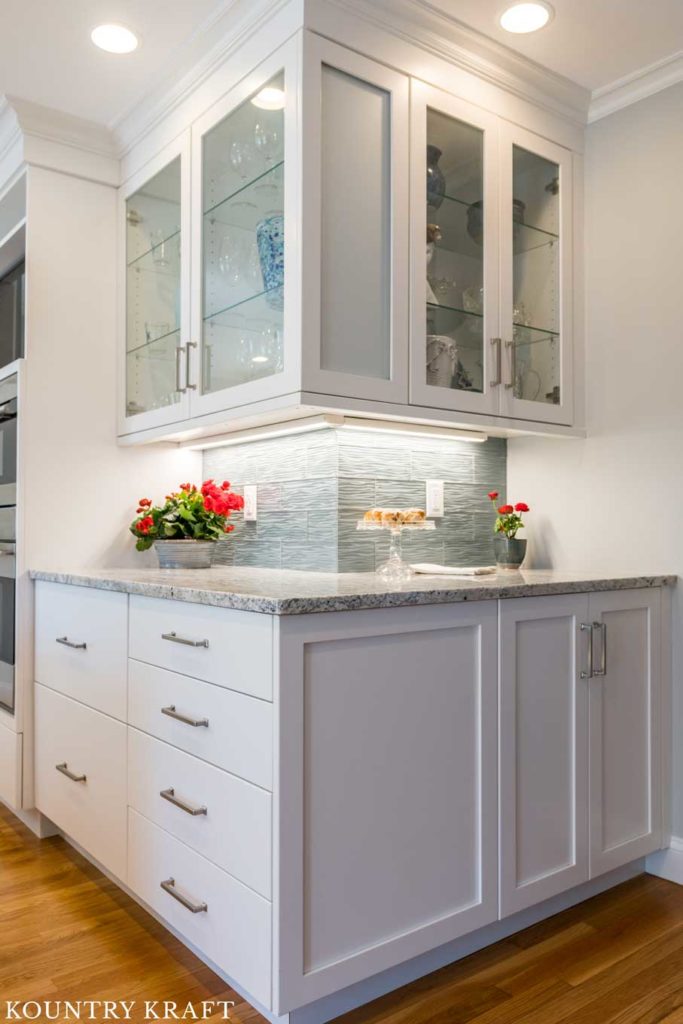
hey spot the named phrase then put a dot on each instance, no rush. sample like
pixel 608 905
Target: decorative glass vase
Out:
pixel 185 554
pixel 436 183
pixel 270 239
pixel 510 551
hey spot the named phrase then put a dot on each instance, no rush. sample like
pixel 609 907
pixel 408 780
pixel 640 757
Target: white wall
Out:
pixel 614 501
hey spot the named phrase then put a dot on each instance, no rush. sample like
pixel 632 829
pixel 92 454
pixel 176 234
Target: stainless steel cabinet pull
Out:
pixel 602 627
pixel 587 673
pixel 513 364
pixel 190 345
pixel 169 794
pixel 70 643
pixel 195 908
pixel 172 713
pixel 497 343
pixel 175 639
pixel 63 768
pixel 179 352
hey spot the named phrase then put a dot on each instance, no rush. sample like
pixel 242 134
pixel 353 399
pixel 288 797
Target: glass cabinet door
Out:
pixel 455 351
pixel 154 374
pixel 535 294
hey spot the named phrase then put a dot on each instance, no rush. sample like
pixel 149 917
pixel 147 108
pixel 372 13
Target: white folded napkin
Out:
pixel 449 570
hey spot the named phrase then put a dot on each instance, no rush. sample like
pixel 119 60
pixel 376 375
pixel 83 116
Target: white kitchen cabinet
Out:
pixel 343 237
pixel 625 728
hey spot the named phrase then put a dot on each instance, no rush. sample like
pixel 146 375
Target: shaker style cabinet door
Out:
pixel 154 257
pixel 355 225
pixel 625 728
pixel 536 277
pixel 387 752
pixel 543 748
pixel 245 251
pixel 455 359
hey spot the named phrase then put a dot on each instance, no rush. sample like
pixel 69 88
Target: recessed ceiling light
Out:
pixel 269 98
pixel 114 38
pixel 526 17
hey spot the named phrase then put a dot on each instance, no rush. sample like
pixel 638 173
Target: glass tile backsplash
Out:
pixel 313 488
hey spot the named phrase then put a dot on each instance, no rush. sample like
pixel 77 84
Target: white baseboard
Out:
pixel 667 863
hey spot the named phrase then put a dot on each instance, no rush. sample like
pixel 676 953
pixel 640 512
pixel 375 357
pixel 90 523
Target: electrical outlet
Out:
pixel 250 504
pixel 434 499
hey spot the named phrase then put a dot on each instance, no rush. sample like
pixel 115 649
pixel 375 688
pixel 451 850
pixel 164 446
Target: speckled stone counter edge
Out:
pixel 302 603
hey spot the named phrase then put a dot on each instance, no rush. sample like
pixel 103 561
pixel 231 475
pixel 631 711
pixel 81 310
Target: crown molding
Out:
pixel 429 27
pixel 637 86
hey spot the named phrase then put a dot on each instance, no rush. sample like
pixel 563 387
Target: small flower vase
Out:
pixel 270 240
pixel 510 551
pixel 185 554
pixel 436 183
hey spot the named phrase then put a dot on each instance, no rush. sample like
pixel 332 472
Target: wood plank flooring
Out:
pixel 66 932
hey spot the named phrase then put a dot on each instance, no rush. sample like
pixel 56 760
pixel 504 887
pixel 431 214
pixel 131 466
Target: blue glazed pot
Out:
pixel 436 183
pixel 270 239
pixel 510 551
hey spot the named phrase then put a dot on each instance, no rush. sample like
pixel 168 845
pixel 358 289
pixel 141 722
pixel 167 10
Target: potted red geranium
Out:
pixel 509 548
pixel 184 530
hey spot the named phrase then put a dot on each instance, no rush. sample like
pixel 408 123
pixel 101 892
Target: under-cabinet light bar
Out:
pixel 332 421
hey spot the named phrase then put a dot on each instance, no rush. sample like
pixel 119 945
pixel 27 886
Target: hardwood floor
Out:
pixel 66 932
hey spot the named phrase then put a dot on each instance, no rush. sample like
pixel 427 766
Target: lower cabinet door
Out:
pixel 625 727
pixel 223 919
pixel 543 748
pixel 388 776
pixel 80 776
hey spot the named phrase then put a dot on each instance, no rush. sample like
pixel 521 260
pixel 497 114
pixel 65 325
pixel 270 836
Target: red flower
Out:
pixel 145 503
pixel 521 506
pixel 228 528
pixel 505 510
pixel 145 524
pixel 493 495
pixel 226 485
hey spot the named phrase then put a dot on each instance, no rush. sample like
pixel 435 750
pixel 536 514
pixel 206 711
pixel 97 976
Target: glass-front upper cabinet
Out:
pixel 244 215
pixel 536 284
pixel 154 222
pixel 456 352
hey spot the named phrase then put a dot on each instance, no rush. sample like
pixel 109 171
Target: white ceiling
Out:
pixel 46 55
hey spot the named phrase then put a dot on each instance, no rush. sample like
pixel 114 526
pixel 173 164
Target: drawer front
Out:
pixel 229 648
pixel 234 931
pixel 81 644
pixel 91 811
pixel 11 744
pixel 239 733
pixel 220 816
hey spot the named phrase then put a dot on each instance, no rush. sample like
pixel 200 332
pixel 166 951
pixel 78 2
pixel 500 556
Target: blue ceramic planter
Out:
pixel 270 239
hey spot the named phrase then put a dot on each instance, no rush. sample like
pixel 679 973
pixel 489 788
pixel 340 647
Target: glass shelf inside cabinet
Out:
pixel 243 243
pixel 153 247
pixel 536 278
pixel 454 354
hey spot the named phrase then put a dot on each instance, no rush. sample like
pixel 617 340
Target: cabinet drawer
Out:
pixel 220 816
pixel 229 648
pixel 92 748
pixel 239 733
pixel 234 931
pixel 11 746
pixel 81 644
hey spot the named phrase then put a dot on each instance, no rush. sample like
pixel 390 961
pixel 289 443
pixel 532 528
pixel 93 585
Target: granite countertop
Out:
pixel 292 592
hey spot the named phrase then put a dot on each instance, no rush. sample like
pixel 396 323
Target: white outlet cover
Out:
pixel 250 503
pixel 434 500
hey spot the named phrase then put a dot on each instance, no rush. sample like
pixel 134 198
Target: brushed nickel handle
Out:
pixel 602 627
pixel 190 345
pixel 64 769
pixel 169 794
pixel 175 639
pixel 179 717
pixel 180 350
pixel 168 885
pixel 64 640
pixel 513 364
pixel 588 673
pixel 497 343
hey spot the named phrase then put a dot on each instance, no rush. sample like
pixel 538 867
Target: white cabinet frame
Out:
pixel 424 97
pixel 317 53
pixel 180 410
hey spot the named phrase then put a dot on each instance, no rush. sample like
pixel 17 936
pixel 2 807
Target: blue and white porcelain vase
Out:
pixel 436 183
pixel 270 239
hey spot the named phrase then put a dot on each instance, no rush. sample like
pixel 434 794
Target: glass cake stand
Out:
pixel 395 570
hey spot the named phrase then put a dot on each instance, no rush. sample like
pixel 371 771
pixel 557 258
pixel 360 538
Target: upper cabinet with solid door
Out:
pixel 333 234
